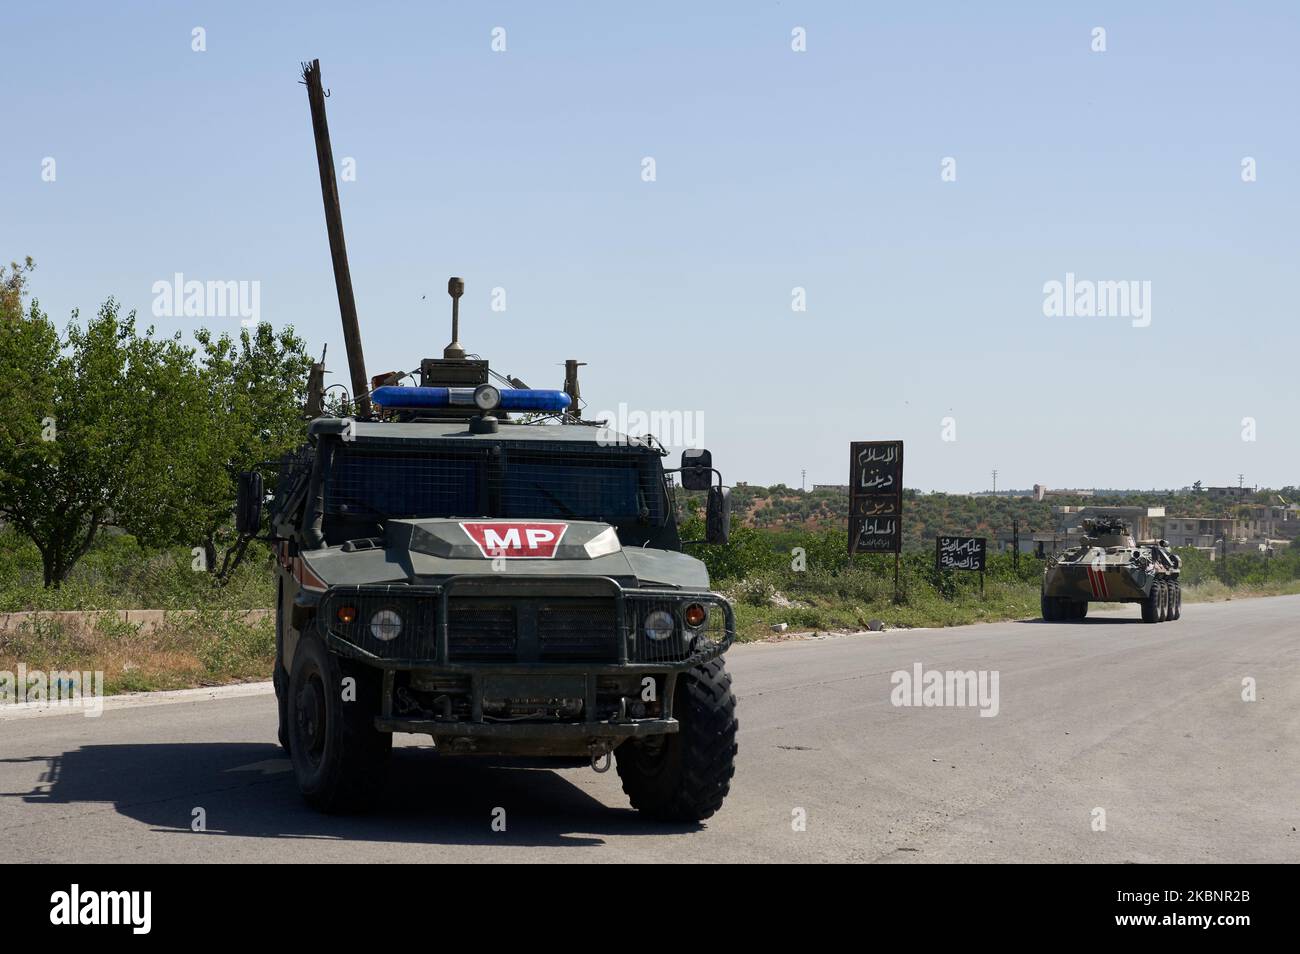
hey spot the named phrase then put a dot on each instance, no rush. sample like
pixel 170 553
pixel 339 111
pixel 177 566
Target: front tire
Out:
pixel 685 777
pixel 280 680
pixel 339 757
pixel 1151 604
pixel 280 675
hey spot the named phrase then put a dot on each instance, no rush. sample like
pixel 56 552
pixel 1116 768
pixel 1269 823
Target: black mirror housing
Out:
pixel 248 503
pixel 697 469
pixel 717 516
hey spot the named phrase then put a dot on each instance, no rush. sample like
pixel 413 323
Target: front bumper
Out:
pixel 541 666
pixel 545 739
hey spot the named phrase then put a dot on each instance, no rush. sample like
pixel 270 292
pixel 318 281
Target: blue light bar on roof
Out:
pixel 512 399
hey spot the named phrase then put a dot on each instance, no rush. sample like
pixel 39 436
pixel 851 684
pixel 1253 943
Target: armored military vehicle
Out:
pixel 1110 567
pixel 475 562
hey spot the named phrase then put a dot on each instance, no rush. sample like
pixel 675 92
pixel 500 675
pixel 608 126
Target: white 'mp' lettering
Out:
pixel 495 541
pixel 537 536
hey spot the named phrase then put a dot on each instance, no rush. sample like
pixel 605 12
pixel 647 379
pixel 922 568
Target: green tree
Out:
pixel 12 287
pixel 88 421
pixel 106 425
pixel 256 387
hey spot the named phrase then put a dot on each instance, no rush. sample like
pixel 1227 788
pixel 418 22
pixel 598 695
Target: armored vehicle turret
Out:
pixel 1109 566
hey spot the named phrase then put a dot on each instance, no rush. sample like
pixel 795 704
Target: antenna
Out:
pixel 334 229
pixel 455 288
pixel 571 388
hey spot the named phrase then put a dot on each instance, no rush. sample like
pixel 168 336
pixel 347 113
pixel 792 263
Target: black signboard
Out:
pixel 959 553
pixel 876 497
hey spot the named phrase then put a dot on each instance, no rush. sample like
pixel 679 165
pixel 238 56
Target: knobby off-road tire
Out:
pixel 685 777
pixel 280 675
pixel 280 680
pixel 339 757
pixel 1151 604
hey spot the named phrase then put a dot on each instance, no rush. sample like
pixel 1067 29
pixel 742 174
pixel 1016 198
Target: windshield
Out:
pixel 616 485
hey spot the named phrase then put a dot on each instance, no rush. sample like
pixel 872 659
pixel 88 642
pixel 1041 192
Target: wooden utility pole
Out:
pixel 338 248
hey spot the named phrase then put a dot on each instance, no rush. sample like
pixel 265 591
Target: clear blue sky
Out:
pixel 775 169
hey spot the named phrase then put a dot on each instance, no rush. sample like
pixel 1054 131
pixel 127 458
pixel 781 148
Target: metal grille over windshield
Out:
pixel 618 485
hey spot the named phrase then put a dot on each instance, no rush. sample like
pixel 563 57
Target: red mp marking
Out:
pixel 514 541
pixel 1097 580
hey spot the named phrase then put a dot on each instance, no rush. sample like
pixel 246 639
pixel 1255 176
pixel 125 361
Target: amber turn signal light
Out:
pixel 695 615
pixel 347 614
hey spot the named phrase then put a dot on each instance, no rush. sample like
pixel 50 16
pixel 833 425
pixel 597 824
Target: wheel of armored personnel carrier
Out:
pixel 1048 606
pixel 1178 600
pixel 685 777
pixel 1162 604
pixel 339 757
pixel 1151 604
pixel 1081 609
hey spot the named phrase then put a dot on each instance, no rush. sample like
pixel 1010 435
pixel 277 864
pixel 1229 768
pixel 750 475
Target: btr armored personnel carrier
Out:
pixel 1110 567
pixel 475 562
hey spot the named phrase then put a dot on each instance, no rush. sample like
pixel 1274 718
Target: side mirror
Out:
pixel 248 503
pixel 717 516
pixel 697 469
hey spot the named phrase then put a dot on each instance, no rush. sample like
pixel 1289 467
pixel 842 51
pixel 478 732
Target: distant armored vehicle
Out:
pixel 1109 567
pixel 474 562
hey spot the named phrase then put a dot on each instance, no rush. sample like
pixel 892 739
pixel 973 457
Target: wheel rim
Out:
pixel 309 726
pixel 648 755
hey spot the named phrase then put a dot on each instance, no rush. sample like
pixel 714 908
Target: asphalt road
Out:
pixel 1145 722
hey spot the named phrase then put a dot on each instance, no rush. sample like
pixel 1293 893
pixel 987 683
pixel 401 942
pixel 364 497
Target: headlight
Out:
pixel 659 625
pixel 385 625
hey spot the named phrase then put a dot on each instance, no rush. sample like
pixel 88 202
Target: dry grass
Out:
pixel 186 650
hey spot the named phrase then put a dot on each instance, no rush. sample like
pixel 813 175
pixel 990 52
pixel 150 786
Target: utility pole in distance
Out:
pixel 995 481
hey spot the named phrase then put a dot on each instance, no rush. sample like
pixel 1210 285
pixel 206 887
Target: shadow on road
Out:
pixel 248 790
pixel 1090 621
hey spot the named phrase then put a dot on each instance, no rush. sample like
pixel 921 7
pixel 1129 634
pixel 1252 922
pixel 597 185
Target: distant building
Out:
pixel 1041 492
pixel 1264 520
pixel 1201 532
pixel 1253 528
pixel 832 488
pixel 1229 493
pixel 1037 543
